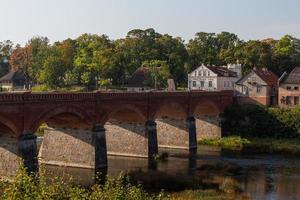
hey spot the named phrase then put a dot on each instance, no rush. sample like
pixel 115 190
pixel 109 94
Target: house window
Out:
pixel 194 83
pixel 288 88
pixel 195 73
pixel 258 89
pixel 208 73
pixel 288 100
pixel 204 73
pixel 200 73
pixel 296 88
pixel 209 83
pixel 296 100
pixel 201 83
pixel 253 79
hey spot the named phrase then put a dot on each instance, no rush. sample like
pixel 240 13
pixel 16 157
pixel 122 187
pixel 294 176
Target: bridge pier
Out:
pixel 14 151
pixel 151 132
pixel 177 133
pixel 74 147
pixel 208 127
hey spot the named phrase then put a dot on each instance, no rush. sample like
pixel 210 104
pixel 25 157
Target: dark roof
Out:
pixel 12 76
pixel 140 78
pixel 267 76
pixel 222 71
pixel 293 77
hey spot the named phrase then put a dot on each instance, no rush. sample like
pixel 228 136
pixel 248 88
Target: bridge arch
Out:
pixel 125 113
pixel 8 127
pixel 172 110
pixel 206 108
pixel 68 112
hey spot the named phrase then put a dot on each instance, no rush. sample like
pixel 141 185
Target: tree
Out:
pixel 6 48
pixel 39 53
pixel 254 54
pixel 21 59
pixel 53 73
pixel 92 58
pixel 159 72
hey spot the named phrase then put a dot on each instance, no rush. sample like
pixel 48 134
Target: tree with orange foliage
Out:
pixel 21 60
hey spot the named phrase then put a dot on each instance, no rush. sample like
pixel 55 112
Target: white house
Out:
pixel 214 78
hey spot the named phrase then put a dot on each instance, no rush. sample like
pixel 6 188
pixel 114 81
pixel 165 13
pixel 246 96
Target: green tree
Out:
pixel 39 47
pixel 253 54
pixel 6 48
pixel 159 72
pixel 92 58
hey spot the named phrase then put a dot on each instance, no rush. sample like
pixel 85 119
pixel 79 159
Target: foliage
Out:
pixel 6 48
pixel 159 72
pixel 226 142
pixel 256 145
pixel 31 187
pixel 254 121
pixel 90 58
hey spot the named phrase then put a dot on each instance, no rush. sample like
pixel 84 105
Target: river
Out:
pixel 263 176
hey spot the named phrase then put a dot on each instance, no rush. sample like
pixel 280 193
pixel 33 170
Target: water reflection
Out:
pixel 262 176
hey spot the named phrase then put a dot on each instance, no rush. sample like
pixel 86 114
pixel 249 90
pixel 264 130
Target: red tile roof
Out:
pixel 267 76
pixel 222 71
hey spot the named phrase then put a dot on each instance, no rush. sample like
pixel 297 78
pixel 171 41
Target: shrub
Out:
pixel 257 121
pixel 30 187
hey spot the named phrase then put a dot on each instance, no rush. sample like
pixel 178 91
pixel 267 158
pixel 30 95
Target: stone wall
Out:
pixel 68 147
pixel 126 139
pixel 208 127
pixel 10 159
pixel 172 133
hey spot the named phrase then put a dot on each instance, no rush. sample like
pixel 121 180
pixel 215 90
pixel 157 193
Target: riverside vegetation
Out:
pixel 258 129
pixel 34 186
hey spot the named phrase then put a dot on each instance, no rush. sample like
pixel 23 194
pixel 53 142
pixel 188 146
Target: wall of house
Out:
pixel 226 83
pixel 293 94
pixel 248 92
pixel 212 77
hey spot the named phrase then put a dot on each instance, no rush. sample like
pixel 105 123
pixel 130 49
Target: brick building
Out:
pixel 288 90
pixel 258 87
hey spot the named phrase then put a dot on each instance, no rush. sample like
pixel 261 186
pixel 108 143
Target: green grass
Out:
pixel 206 195
pixel 258 145
pixel 44 88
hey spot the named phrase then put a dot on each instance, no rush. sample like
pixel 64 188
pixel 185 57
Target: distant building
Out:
pixel 12 81
pixel 258 87
pixel 140 80
pixel 288 90
pixel 213 78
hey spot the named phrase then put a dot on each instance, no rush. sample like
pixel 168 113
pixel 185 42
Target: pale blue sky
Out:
pixel 60 19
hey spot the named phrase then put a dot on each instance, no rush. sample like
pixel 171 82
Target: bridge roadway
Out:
pixel 82 128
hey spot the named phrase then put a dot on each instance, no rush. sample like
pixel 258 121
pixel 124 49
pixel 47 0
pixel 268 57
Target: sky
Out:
pixel 61 19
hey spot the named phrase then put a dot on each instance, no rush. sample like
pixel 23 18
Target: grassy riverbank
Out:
pixel 256 145
pixel 216 187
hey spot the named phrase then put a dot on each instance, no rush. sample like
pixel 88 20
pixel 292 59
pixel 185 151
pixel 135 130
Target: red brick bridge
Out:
pixel 82 127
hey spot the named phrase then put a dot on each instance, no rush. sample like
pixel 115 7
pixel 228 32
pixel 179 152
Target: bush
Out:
pixel 30 187
pixel 261 122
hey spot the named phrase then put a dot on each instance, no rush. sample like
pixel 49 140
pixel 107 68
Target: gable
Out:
pixel 249 77
pixel 203 68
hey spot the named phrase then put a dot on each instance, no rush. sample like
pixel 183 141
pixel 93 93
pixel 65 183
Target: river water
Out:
pixel 263 177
